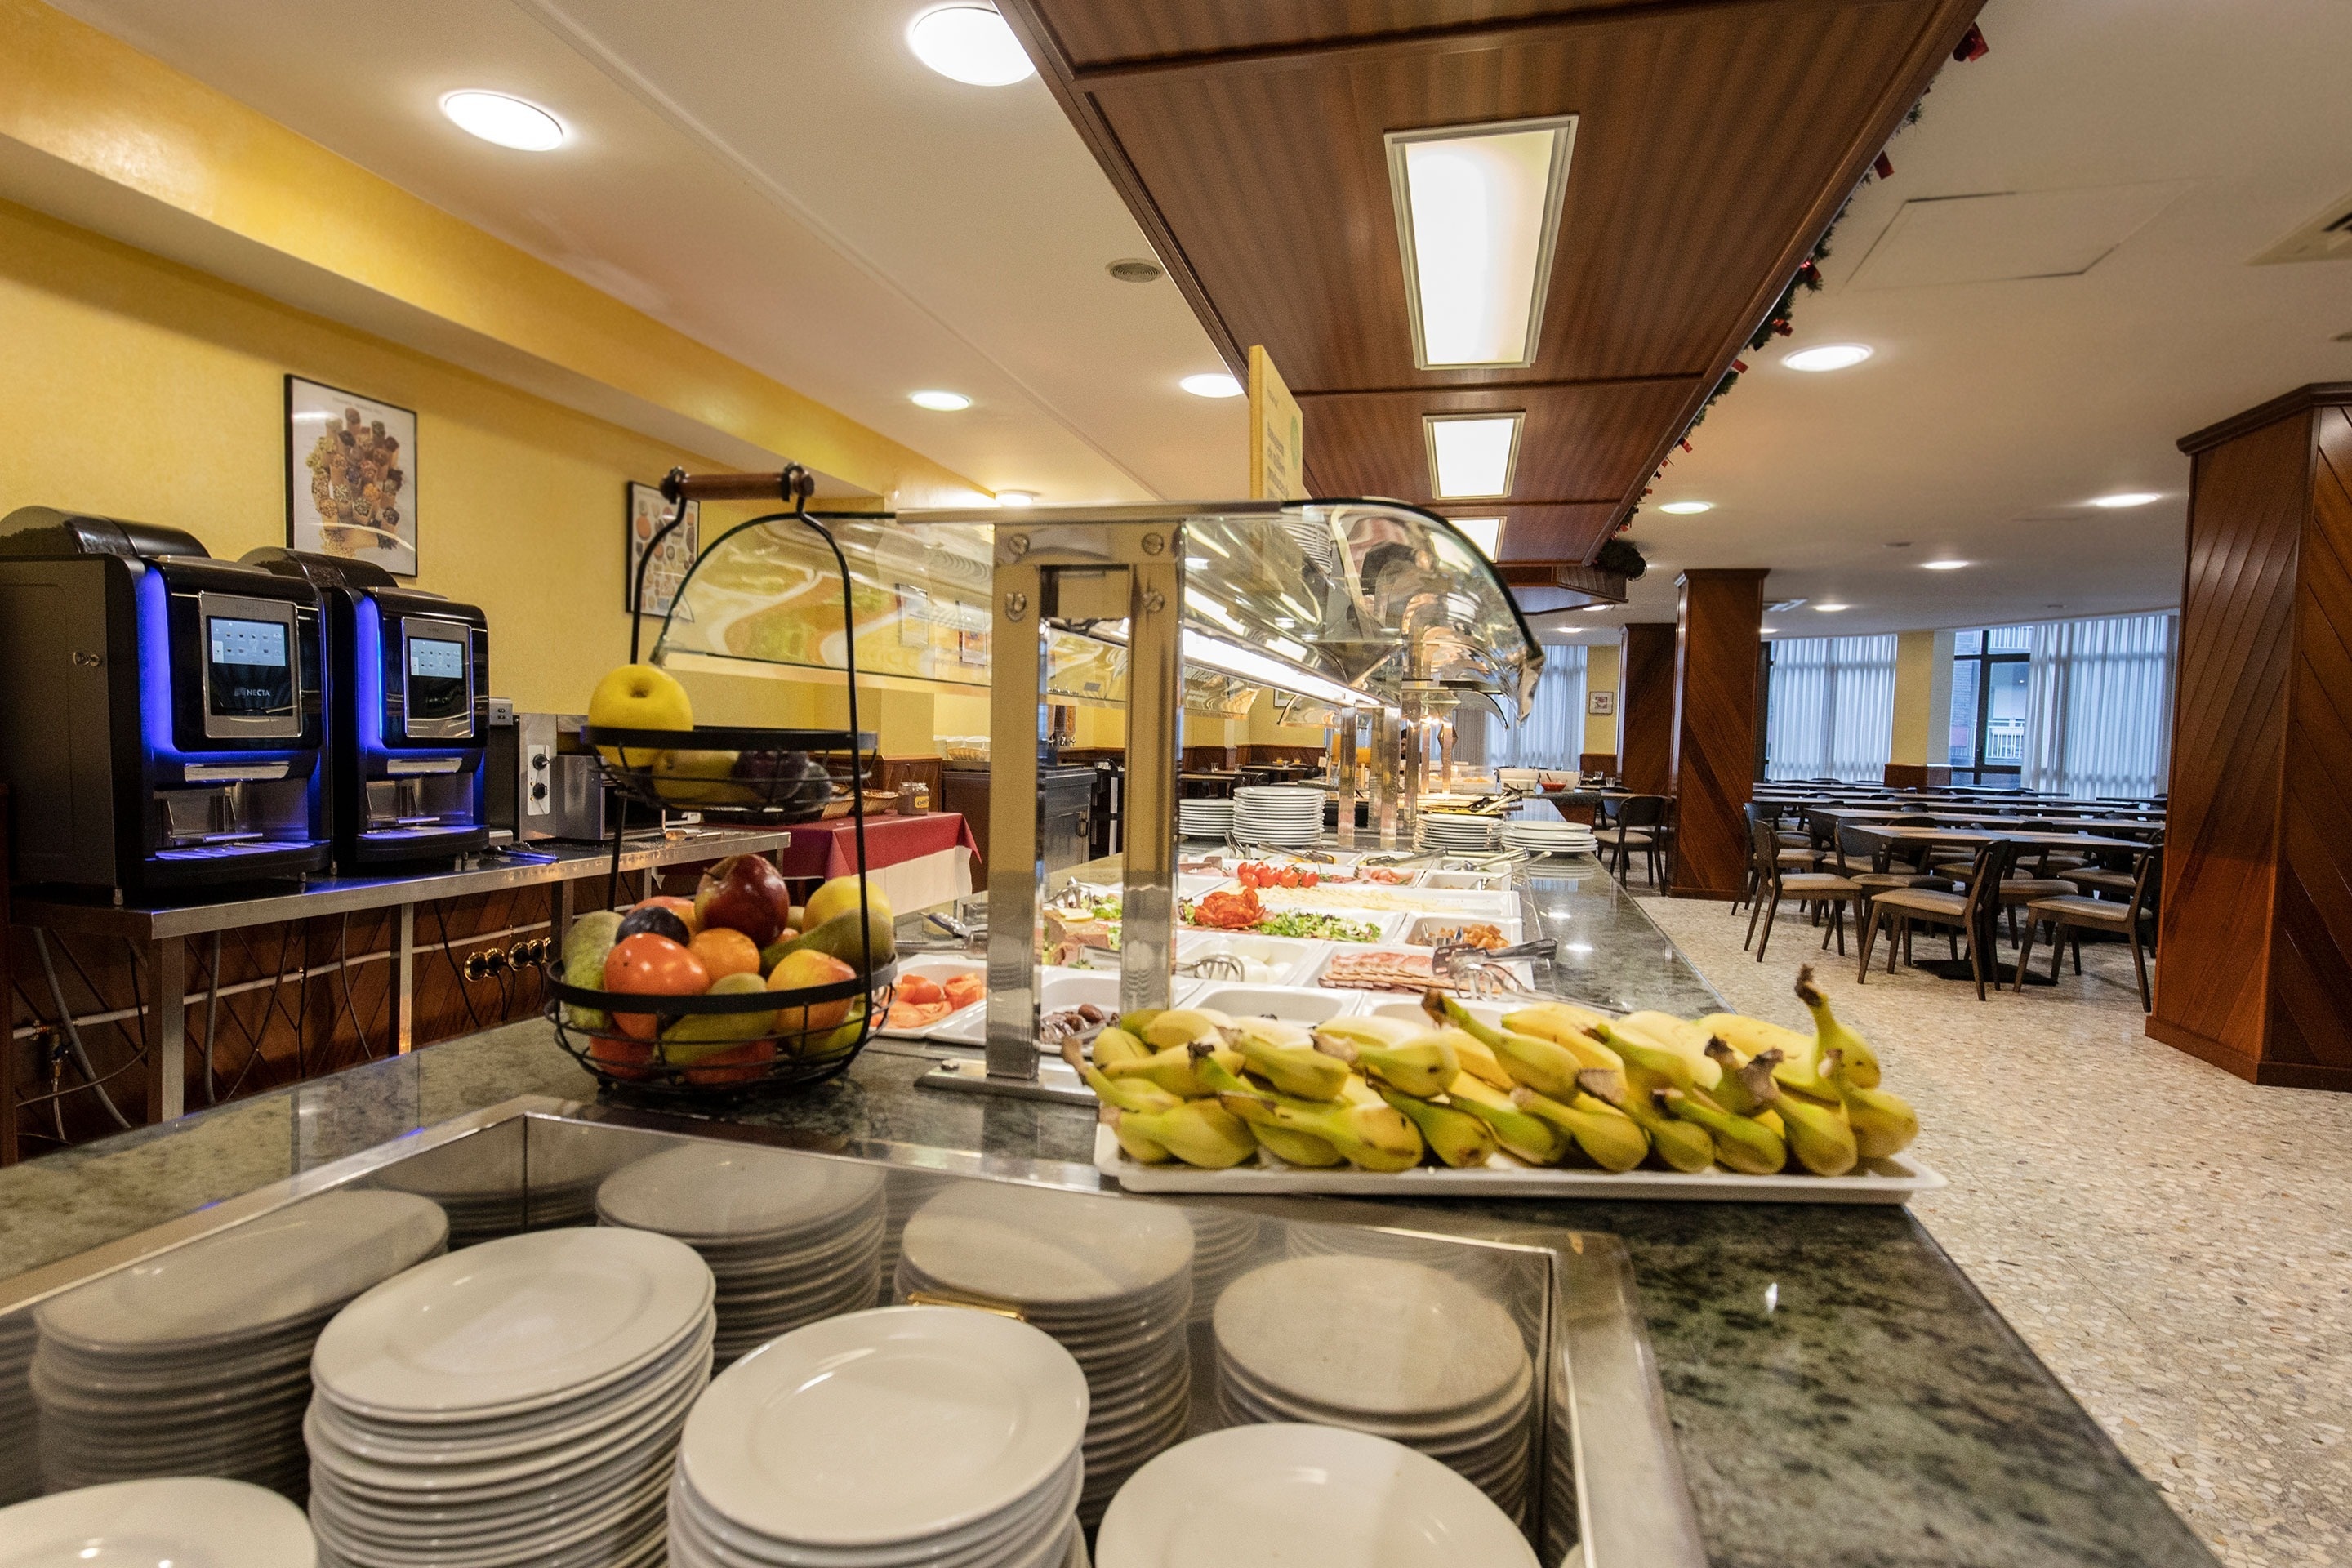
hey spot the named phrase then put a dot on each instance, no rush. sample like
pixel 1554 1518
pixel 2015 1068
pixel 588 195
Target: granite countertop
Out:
pixel 1842 1394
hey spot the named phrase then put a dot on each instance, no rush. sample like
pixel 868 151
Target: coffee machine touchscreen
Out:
pixel 252 668
pixel 437 688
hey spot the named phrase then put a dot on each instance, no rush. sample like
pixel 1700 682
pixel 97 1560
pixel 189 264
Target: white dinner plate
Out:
pixel 182 1522
pixel 1044 1248
pixel 1370 1334
pixel 1289 1495
pixel 981 1542
pixel 889 1425
pixel 513 1324
pixel 705 1191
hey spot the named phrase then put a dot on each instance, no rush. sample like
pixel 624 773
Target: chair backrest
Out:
pixel 1914 820
pixel 2147 883
pixel 1764 852
pixel 1640 811
pixel 1849 842
pixel 1992 863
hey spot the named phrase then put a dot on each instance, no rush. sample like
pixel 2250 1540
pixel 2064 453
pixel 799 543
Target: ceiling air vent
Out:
pixel 2327 237
pixel 1783 606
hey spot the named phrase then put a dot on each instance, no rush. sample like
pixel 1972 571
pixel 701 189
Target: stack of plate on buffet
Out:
pixel 1549 838
pixel 186 1519
pixel 1276 1497
pixel 1455 832
pixel 196 1362
pixel 885 1438
pixel 1224 1241
pixel 1111 1280
pixel 516 1402
pixel 1198 817
pixel 480 1182
pixel 1285 815
pixel 20 1430
pixel 789 1238
pixel 1395 1349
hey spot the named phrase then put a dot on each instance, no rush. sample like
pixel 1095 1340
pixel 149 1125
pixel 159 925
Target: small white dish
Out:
pixel 194 1522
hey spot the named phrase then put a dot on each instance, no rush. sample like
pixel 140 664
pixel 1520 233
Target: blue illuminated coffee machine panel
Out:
pixel 408 697
pixel 161 727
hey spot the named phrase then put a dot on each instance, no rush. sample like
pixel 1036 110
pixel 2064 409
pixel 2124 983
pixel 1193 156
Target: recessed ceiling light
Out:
pixel 504 119
pixel 1943 565
pixel 1478 215
pixel 1485 533
pixel 1216 383
pixel 940 402
pixel 1135 269
pixel 1471 455
pixel 1768 631
pixel 1687 507
pixel 1829 609
pixel 969 44
pixel 1016 497
pixel 1594 609
pixel 2127 498
pixel 1829 356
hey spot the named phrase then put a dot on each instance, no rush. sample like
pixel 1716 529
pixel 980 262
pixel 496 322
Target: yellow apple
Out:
pixel 639 697
pixel 839 897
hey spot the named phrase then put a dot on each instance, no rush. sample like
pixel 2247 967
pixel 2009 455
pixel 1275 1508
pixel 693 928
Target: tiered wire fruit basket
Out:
pixel 724 1046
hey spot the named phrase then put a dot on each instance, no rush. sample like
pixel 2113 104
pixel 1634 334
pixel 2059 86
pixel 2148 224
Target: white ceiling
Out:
pixel 781 180
pixel 1994 410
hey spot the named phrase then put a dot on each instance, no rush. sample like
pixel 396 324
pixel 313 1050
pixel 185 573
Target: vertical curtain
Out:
pixel 1553 735
pixel 1831 710
pixel 2099 706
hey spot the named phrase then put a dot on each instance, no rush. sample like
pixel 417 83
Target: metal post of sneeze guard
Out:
pixel 1343 773
pixel 1385 777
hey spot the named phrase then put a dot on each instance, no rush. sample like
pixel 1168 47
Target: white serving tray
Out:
pixel 938 966
pixel 1293 959
pixel 1413 936
pixel 1473 903
pixel 1883 1182
pixel 1056 988
pixel 1308 1004
pixel 1519 967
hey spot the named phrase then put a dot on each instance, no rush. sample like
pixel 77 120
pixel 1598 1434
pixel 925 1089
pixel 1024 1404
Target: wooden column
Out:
pixel 2256 926
pixel 1645 721
pixel 1716 641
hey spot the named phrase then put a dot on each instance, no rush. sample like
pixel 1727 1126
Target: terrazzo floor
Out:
pixel 2171 1240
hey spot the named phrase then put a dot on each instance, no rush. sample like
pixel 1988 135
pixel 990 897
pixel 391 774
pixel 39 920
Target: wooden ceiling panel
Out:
pixel 1573 445
pixel 1550 533
pixel 1714 140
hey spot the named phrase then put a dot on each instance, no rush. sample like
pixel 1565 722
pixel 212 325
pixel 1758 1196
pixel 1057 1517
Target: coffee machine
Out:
pixel 160 726
pixel 408 711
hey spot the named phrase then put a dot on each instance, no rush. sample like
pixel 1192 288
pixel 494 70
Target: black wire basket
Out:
pixel 720 1046
pixel 752 777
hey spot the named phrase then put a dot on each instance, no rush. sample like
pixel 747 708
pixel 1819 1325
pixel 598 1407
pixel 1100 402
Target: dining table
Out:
pixel 1853 815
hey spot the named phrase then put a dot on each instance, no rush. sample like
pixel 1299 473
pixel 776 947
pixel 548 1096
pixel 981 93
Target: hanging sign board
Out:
pixel 1277 458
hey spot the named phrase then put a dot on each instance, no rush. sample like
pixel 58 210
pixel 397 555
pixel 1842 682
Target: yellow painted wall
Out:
pixel 1602 666
pixel 138 388
pixel 1923 697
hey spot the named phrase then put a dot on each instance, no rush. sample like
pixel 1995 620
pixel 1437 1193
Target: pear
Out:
pixel 1421 1067
pixel 1829 1035
pixel 1741 1144
pixel 1883 1122
pixel 1200 1132
pixel 1122 1094
pixel 1116 1045
pixel 1457 1138
pixel 1682 1146
pixel 1297 1070
pixel 1521 1135
pixel 1610 1138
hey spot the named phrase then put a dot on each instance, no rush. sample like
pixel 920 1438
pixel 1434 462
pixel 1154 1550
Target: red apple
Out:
pixel 745 893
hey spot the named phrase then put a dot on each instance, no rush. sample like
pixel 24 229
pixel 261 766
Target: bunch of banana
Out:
pixel 1551 1082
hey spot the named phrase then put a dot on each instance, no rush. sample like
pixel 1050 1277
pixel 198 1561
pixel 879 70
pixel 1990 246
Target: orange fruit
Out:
pixel 725 952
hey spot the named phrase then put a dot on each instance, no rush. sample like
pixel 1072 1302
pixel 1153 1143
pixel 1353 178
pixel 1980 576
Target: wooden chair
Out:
pixel 1806 887
pixel 2094 880
pixel 1898 909
pixel 1791 857
pixel 1635 827
pixel 1872 883
pixel 2072 914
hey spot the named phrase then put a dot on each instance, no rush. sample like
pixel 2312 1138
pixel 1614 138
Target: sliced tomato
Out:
pixel 919 990
pixel 964 990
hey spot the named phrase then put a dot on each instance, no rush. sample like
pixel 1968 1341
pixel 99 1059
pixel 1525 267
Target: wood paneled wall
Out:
pixel 1645 717
pixel 2256 935
pixel 1721 615
pixel 1913 775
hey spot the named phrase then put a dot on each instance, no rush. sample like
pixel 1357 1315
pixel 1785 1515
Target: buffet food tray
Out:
pixel 1883 1182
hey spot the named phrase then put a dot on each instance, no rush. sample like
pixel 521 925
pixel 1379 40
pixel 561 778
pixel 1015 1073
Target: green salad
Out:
pixel 1308 923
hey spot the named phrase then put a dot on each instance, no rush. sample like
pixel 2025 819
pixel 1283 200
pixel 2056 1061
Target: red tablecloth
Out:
pixel 830 848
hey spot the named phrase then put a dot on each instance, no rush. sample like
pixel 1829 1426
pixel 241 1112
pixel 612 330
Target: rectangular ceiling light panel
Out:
pixel 1485 533
pixel 1478 213
pixel 1471 456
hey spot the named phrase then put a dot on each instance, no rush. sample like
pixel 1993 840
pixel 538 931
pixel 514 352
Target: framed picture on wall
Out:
pixel 648 514
pixel 1601 702
pixel 351 476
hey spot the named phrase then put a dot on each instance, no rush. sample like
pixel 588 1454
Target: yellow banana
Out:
pixel 1829 1035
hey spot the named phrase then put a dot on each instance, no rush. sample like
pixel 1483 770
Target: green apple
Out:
pixel 698 1035
pixel 639 697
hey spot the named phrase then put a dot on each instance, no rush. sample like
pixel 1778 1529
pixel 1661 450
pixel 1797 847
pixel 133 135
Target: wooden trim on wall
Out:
pixel 1601 763
pixel 1915 775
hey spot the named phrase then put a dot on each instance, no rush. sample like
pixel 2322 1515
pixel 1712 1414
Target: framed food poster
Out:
pixel 351 477
pixel 649 514
pixel 1602 702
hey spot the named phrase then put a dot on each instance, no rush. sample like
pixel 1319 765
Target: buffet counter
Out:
pixel 1839 1391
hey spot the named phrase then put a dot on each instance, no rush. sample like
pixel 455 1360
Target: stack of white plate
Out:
pixel 1549 838
pixel 187 1520
pixel 195 1362
pixel 480 1182
pixel 516 1402
pixel 1455 832
pixel 1278 1496
pixel 906 1192
pixel 1109 1278
pixel 20 1420
pixel 882 1439
pixel 1288 815
pixel 1224 1242
pixel 1393 1349
pixel 1200 817
pixel 1485 1269
pixel 789 1238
